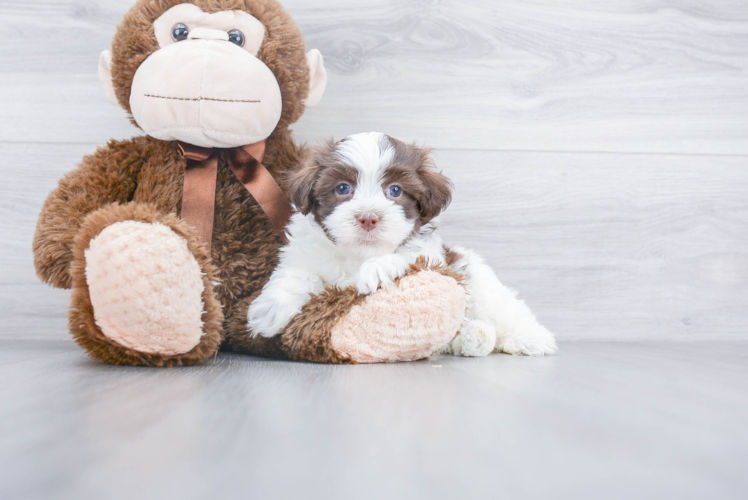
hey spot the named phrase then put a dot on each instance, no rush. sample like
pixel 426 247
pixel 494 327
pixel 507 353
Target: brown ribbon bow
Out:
pixel 199 196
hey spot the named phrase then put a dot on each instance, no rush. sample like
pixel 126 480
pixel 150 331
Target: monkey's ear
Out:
pixel 105 76
pixel 317 77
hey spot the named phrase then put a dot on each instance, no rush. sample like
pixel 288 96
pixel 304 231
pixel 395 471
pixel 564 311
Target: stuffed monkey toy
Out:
pixel 165 239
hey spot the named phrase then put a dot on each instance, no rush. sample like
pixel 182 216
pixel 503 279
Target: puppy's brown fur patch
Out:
pixel 450 256
pixel 414 170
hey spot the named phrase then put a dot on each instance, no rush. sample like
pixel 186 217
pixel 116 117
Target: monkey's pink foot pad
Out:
pixel 146 288
pixel 405 322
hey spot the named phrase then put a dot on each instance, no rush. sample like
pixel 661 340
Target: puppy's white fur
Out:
pixel 495 319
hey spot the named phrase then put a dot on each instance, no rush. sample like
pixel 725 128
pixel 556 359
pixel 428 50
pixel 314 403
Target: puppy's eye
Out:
pixel 179 32
pixel 236 37
pixel 395 191
pixel 343 189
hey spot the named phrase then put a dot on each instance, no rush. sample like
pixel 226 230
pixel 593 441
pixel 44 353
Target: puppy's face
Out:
pixel 369 192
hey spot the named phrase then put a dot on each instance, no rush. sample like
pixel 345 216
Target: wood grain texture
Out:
pixel 610 246
pixel 642 76
pixel 602 246
pixel 613 246
pixel 599 420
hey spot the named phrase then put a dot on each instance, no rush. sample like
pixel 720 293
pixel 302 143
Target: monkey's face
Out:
pixel 205 84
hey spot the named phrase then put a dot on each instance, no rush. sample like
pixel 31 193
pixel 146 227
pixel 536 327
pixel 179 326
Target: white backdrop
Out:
pixel 599 148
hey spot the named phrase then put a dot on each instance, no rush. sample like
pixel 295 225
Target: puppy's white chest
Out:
pixel 344 273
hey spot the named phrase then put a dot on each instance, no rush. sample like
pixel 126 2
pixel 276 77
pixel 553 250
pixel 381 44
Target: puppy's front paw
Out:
pixel 534 340
pixel 380 271
pixel 476 339
pixel 266 318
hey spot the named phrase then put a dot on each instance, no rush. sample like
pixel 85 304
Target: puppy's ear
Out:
pixel 301 185
pixel 437 192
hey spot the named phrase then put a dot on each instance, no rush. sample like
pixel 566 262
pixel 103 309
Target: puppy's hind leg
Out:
pixel 517 329
pixel 475 339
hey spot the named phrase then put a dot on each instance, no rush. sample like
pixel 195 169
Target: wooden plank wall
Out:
pixel 599 147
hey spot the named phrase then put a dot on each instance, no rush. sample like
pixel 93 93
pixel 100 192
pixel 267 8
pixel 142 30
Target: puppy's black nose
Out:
pixel 368 221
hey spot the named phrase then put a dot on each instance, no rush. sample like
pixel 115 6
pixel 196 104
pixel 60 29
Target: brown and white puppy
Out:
pixel 366 209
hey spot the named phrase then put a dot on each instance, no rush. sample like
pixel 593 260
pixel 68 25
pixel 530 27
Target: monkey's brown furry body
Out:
pixel 141 180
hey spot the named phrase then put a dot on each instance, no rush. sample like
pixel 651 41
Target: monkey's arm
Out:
pixel 107 176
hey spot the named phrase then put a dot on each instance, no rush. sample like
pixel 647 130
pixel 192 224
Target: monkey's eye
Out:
pixel 179 32
pixel 236 37
pixel 343 189
pixel 395 191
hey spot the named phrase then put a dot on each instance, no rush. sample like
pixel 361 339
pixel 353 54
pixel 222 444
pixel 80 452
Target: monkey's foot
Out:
pixel 405 322
pixel 146 288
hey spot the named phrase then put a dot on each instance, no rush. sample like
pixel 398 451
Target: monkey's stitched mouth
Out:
pixel 198 99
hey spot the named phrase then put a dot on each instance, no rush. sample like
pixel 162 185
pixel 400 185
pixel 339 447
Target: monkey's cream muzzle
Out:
pixel 206 91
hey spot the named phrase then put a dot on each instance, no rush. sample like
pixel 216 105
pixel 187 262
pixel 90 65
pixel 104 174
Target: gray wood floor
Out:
pixel 600 154
pixel 601 420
